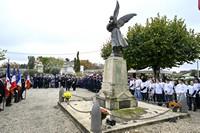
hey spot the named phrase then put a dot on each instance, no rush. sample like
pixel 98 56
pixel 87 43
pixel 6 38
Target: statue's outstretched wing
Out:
pixel 125 19
pixel 116 11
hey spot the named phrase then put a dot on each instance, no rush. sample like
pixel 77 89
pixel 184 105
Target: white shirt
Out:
pixel 181 88
pixel 168 88
pixel 162 84
pixel 151 87
pixel 191 89
pixel 148 83
pixel 158 88
pixel 196 86
pixel 138 83
pixel 144 84
pixel 132 84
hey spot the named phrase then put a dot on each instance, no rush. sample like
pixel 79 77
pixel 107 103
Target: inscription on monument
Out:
pixel 124 104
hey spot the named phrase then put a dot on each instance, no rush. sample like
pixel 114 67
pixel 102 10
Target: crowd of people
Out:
pixel 144 89
pixel 165 91
pixel 91 82
pixel 13 93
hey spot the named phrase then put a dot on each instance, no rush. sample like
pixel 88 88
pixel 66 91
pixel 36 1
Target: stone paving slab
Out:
pixel 79 110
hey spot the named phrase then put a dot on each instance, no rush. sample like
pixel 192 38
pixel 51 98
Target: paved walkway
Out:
pixel 39 113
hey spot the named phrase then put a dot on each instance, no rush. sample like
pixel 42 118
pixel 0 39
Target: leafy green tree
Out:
pixel 12 65
pixel 23 66
pixel 50 63
pixel 78 62
pixel 75 64
pixel 161 43
pixel 2 54
pixel 31 72
pixel 31 62
pixel 54 70
pixel 193 73
pixel 89 65
pixel 106 50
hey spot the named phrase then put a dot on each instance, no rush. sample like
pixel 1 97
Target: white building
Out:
pixel 68 68
pixel 39 66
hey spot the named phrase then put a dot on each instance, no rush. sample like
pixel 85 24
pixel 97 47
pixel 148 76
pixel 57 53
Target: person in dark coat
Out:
pixel 93 84
pixel 46 82
pixel 22 89
pixel 98 84
pixel 74 83
pixel 35 82
pixel 63 81
pixel 2 93
pixel 68 83
pixel 40 81
pixel 56 81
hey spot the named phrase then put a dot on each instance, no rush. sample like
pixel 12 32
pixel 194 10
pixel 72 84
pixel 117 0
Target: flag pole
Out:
pixel 3 102
pixel 25 90
pixel 25 83
pixel 25 94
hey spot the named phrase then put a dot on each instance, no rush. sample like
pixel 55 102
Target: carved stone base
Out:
pixel 115 93
pixel 117 103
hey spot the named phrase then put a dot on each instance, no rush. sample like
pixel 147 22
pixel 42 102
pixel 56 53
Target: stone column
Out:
pixel 115 92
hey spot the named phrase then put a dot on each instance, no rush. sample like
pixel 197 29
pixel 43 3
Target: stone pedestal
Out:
pixel 115 92
pixel 61 92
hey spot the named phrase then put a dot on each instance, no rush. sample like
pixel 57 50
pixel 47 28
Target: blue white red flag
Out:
pixel 13 80
pixel 28 82
pixel 19 78
pixel 8 79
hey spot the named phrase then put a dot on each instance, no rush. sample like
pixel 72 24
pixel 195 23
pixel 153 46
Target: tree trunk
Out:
pixel 156 72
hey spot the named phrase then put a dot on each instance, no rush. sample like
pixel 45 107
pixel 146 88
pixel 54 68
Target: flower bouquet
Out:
pixel 174 106
pixel 67 95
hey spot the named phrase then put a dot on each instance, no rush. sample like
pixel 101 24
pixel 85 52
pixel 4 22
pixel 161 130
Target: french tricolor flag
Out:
pixel 19 78
pixel 8 79
pixel 13 80
pixel 28 82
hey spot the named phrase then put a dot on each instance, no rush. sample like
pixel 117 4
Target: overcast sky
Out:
pixel 60 28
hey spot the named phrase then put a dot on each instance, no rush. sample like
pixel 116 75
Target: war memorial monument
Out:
pixel 115 93
pixel 84 107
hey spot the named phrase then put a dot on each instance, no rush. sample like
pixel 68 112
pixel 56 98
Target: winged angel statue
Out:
pixel 117 40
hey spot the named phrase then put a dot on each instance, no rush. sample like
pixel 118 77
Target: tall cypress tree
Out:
pixel 77 62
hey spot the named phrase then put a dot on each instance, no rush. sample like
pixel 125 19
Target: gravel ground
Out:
pixel 187 125
pixel 39 113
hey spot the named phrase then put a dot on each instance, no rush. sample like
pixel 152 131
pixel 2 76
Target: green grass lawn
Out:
pixel 129 113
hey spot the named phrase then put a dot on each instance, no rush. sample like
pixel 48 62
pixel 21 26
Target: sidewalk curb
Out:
pixel 74 120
